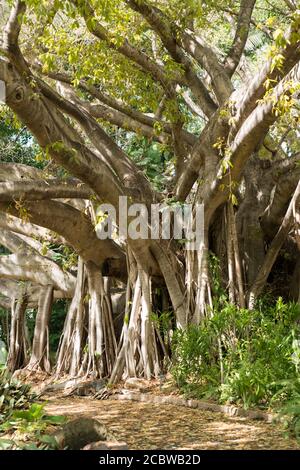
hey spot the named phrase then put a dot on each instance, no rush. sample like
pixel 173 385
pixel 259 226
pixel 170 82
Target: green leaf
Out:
pixel 55 419
pixel 6 444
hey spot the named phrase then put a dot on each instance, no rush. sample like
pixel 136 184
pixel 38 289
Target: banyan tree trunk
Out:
pixel 101 347
pixel 137 351
pixel 40 347
pixel 88 343
pixel 203 288
pixel 69 352
pixel 18 347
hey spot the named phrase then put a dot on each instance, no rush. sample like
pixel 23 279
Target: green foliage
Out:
pixel 65 256
pixel 290 412
pixel 23 418
pixel 257 350
pixel 16 144
pixel 289 394
pixel 31 420
pixel 3 325
pixel 13 395
pixel 30 427
pixel 153 158
pixel 162 321
pixel 57 319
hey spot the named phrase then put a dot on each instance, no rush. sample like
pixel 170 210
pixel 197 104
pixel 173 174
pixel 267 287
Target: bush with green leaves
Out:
pixel 31 427
pixel 240 356
pixel 289 394
pixel 13 395
pixel 22 417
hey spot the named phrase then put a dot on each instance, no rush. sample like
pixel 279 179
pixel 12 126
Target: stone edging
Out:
pixel 229 410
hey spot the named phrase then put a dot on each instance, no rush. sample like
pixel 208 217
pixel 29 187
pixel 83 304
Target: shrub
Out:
pixel 22 417
pixel 13 395
pixel 240 356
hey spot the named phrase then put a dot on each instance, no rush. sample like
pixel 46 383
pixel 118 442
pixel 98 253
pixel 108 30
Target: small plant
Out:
pixel 30 425
pixel 291 415
pixel 13 395
pixel 289 412
pixel 22 418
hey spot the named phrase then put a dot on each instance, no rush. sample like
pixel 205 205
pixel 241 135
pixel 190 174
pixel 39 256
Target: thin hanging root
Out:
pixel 148 343
pixel 17 354
pixel 69 350
pixel 236 255
pixel 125 363
pixel 40 347
pixel 190 283
pixel 175 284
pixel 230 256
pixel 203 286
pixel 101 336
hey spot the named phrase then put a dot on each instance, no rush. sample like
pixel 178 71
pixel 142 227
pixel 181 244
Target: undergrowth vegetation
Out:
pixel 23 421
pixel 250 358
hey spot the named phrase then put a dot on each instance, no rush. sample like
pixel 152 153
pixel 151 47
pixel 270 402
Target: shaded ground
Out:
pixel 149 426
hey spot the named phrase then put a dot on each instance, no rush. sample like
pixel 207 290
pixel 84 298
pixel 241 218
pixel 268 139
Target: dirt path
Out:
pixel 149 426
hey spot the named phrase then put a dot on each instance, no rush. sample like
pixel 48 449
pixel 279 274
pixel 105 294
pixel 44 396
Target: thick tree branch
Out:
pixel 26 264
pixel 31 268
pixel 19 171
pixel 208 60
pixel 44 189
pixel 277 242
pixel 203 155
pixel 118 113
pixel 253 131
pixel 67 148
pixel 15 224
pixel 248 129
pixel 100 95
pixel 241 35
pixel 291 4
pixel 11 34
pixel 111 154
pixel 12 290
pixel 53 132
pixel 74 226
pixel 285 175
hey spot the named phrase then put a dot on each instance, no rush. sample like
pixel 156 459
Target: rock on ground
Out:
pixel 81 431
pixel 135 383
pixel 107 445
